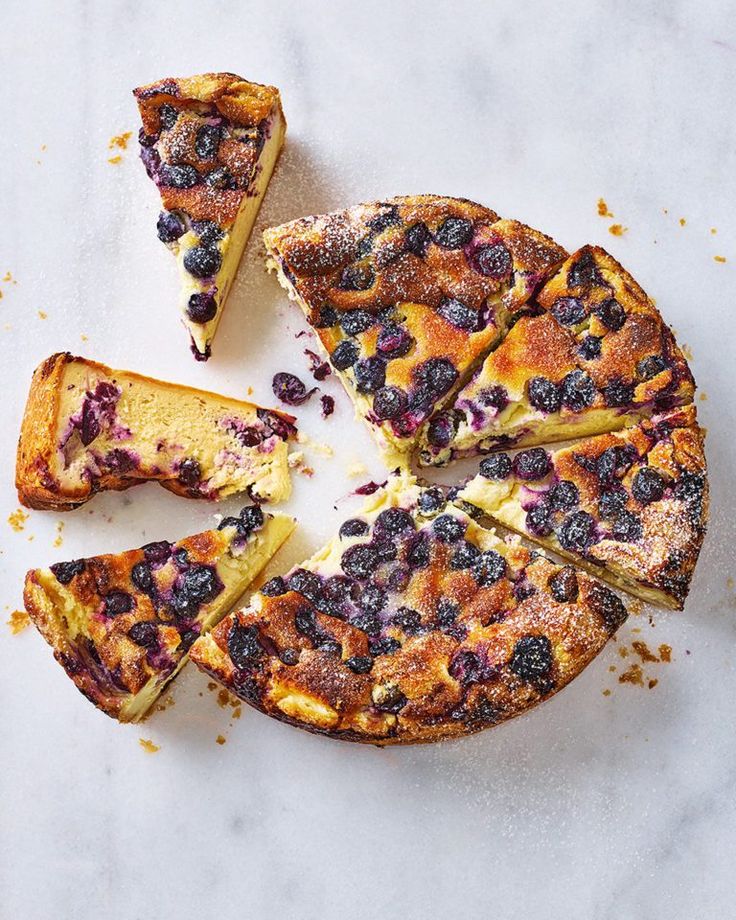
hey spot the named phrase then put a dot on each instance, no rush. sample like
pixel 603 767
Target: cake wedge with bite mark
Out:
pixel 210 143
pixel 593 355
pixel 629 506
pixel 88 428
pixel 413 624
pixel 407 295
pixel 122 625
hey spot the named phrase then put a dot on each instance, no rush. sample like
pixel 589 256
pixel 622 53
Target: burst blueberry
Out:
pixel 306 583
pixel 578 390
pixel 442 428
pixel 612 501
pixel 431 500
pixel 370 374
pixel 180 176
pixel 532 464
pixel 651 366
pixel 360 561
pixel 627 527
pixel 568 311
pixel 65 571
pixel 611 314
pixel 170 226
pixel 142 577
pixel 544 394
pixel 357 278
pixel 584 272
pixel 590 347
pixel 393 341
pixel 618 393
pixel 418 239
pixel 345 355
pixel 447 612
pixel 244 645
pixel 564 585
pixel 489 568
pixel 389 402
pixel 274 587
pixel 359 664
pixel 464 556
pixel 117 602
pixel 372 599
pixel 289 389
pixel 564 495
pixel 607 605
pixel 539 519
pixel 220 177
pixel 167 116
pixel 418 554
pixel 144 634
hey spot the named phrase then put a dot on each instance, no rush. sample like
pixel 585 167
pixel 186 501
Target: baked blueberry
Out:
pixel 611 314
pixel 578 390
pixel 532 659
pixel 289 389
pixel 353 527
pixel 394 521
pixel 612 463
pixel 353 322
pixel 360 561
pixel 497 466
pixel 459 314
pixel 627 527
pixel 158 552
pixel 431 500
pixel 328 404
pixel 202 261
pixel 464 556
pixel 307 584
pixel 539 519
pixel 274 587
pixel 418 554
pixel 289 656
pixel 357 278
pixel 65 571
pixel 544 394
pixel 359 664
pixel 207 231
pixel 388 698
pixel 590 347
pixel 492 261
pixel 447 528
pixel 568 311
pixel 326 317
pixel 170 226
pixel 201 308
pixel 251 517
pixel 564 585
pixel 201 583
pixel 577 532
pixel 618 393
pixel 408 620
pixel 370 374
pixel 229 522
pixel 584 272
pixel 393 341
pixel 563 495
pixel 454 233
pixel 190 472
pixel 207 141
pixel 372 599
pixel 442 428
pixel 489 568
pixel 389 402
pixel 650 366
pixel 386 646
pixel 117 602
pixel 243 645
pixel 167 115
pixel 496 397
pixel 439 374
pixel 144 634
pixel 418 239
pixel 532 464
pixel 345 355
pixel 447 612
pixel 385 219
pixel 612 501
pixel 648 485
pixel 466 667
pixel 689 487
pixel 181 176
pixel 141 576
pixel 220 177
pixel 607 605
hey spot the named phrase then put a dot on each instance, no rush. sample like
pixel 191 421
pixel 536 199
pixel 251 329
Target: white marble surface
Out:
pixel 592 807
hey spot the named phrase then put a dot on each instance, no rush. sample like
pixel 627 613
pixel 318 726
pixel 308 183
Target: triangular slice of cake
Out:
pixel 407 295
pixel 88 428
pixel 210 143
pixel 595 357
pixel 413 624
pixel 631 506
pixel 121 625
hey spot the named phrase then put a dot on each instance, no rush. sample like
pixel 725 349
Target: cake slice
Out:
pixel 210 143
pixel 407 295
pixel 596 357
pixel 413 624
pixel 121 625
pixel 88 428
pixel 630 506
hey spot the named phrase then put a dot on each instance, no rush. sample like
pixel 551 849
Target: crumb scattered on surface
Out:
pixel 83 337
pixel 148 746
pixel 623 651
pixel 719 258
pixel 687 351
pixel 297 462
pixel 166 703
pixel 119 140
pixel 220 739
pixel 114 160
pixel 682 221
pixel 643 651
pixel 617 229
pixel 42 315
pixel 249 391
pixel 603 209
pixel 606 693
pixel 612 668
pixel 18 621
pixel 17 520
pixel 713 230
pixel 703 397
pixel 356 469
pixel 8 278
pixel 59 528
pixel 665 653
pixel 652 683
pixel 632 675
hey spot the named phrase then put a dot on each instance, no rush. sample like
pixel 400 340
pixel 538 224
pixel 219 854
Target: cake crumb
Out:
pixel 682 221
pixel 220 739
pixel 687 351
pixel 18 621
pixel 703 397
pixel 623 651
pixel 603 209
pixel 643 651
pixel 223 698
pixel 713 231
pixel 652 683
pixel 8 277
pixel 665 653
pixel 42 315
pixel 606 693
pixel 719 259
pixel 612 668
pixel 632 675
pixel 148 746
pixel 83 337
pixel 114 160
pixel 59 539
pixel 356 469
pixel 119 140
pixel 617 229
pixel 238 711
pixel 17 520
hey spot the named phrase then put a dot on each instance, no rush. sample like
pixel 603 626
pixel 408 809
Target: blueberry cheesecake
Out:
pixel 122 625
pixel 413 624
pixel 630 506
pixel 407 295
pixel 210 143
pixel 88 428
pixel 593 356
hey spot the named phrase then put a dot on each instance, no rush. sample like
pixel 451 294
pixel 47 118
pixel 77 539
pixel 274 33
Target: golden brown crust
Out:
pixel 444 274
pixel 37 461
pixel 422 647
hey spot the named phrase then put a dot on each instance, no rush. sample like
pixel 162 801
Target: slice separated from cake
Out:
pixel 597 356
pixel 88 428
pixel 630 506
pixel 122 625
pixel 413 624
pixel 210 143
pixel 407 295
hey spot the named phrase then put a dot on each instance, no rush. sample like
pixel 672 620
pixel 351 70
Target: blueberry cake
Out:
pixel 210 143
pixel 413 624
pixel 88 428
pixel 407 295
pixel 122 625
pixel 594 356
pixel 630 506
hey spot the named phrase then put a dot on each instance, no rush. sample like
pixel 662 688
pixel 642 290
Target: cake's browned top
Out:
pixel 201 138
pixel 412 625
pixel 409 281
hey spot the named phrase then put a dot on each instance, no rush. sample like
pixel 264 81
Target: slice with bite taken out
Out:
pixel 596 356
pixel 121 625
pixel 407 295
pixel 88 428
pixel 210 143
pixel 630 506
pixel 413 624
